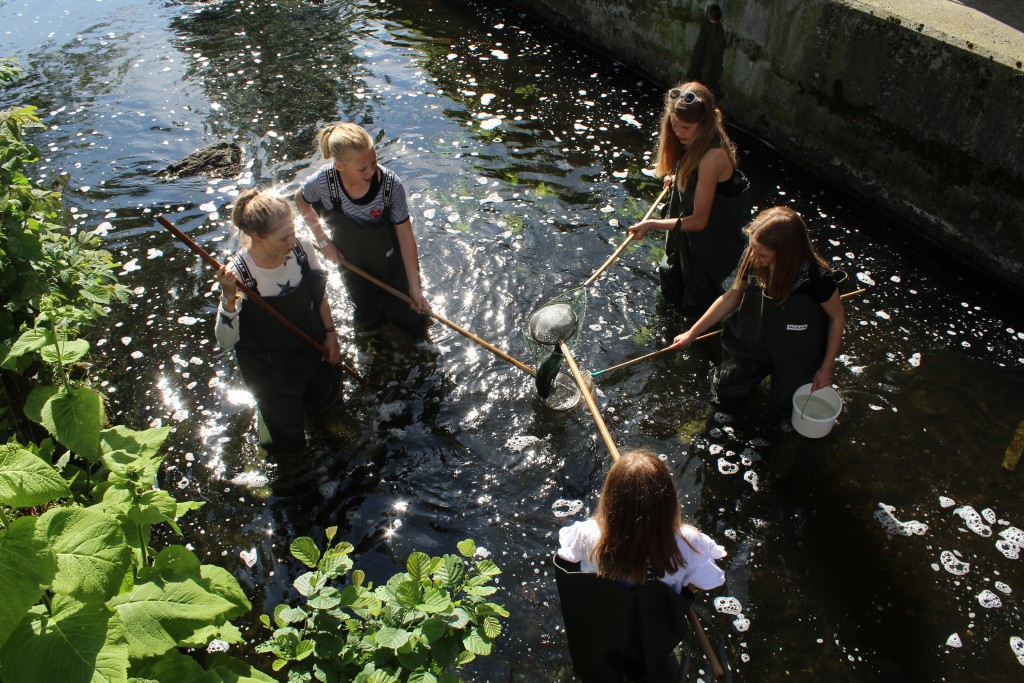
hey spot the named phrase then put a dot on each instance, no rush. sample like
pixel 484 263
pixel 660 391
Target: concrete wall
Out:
pixel 900 115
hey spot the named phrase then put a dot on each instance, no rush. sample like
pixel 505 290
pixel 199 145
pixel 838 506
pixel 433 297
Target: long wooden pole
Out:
pixel 578 376
pixel 716 666
pixel 254 297
pixel 437 316
pixel 669 348
pixel 611 259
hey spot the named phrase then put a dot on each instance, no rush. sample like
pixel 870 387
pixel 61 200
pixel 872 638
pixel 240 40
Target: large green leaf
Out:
pixel 153 507
pixel 223 583
pixel 146 442
pixel 91 551
pixel 392 638
pixel 35 401
pixel 75 419
pixel 26 567
pixel 435 600
pixel 305 551
pixel 162 613
pixel 234 670
pixel 422 676
pixel 77 643
pixel 27 480
pixel 467 547
pixel 172 666
pixel 477 642
pixel 64 352
pixel 29 341
pixel 418 565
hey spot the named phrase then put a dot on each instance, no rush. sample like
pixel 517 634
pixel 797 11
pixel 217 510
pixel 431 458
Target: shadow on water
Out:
pixel 524 157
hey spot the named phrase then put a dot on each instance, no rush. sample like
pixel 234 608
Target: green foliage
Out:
pixel 422 625
pixel 85 597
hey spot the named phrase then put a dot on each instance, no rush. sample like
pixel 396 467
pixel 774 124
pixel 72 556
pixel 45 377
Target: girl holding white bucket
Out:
pixel 786 315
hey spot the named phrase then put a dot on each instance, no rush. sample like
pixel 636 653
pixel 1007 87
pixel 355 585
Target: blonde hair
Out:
pixel 672 156
pixel 342 140
pixel 258 212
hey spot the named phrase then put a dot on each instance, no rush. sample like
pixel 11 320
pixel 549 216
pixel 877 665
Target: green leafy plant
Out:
pixel 85 596
pixel 419 627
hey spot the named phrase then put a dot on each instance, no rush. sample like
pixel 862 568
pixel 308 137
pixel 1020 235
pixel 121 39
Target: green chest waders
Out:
pixel 284 374
pixel 696 263
pixel 786 341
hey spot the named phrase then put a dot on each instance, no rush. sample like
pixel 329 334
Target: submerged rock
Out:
pixel 219 160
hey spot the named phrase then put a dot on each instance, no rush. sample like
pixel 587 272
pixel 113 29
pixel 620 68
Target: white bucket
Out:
pixel 814 414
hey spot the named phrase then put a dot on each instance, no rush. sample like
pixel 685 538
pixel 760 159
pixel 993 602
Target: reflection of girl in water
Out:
pixel 789 317
pixel 710 200
pixel 284 374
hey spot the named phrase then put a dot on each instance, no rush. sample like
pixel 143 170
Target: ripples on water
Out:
pixel 889 550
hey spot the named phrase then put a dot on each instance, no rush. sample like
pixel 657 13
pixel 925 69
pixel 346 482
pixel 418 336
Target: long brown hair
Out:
pixel 782 230
pixel 672 155
pixel 639 518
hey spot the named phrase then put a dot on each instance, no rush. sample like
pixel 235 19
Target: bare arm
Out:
pixel 715 167
pixel 836 320
pixel 723 306
pixel 316 226
pixel 411 260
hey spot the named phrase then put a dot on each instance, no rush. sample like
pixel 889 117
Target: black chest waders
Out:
pixel 284 374
pixel 375 249
pixel 696 263
pixel 762 337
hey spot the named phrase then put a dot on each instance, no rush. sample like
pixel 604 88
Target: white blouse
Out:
pixel 578 541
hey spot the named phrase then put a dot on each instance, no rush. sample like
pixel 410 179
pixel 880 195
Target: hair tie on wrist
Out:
pixel 328 330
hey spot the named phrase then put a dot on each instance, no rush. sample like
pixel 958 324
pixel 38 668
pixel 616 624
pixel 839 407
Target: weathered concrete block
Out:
pixel 919 123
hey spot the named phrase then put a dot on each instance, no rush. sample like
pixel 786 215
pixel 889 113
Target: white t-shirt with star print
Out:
pixel 269 282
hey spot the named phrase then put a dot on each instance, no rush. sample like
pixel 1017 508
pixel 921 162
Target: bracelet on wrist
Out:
pixel 328 330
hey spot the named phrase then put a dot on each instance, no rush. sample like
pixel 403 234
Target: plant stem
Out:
pixel 3 519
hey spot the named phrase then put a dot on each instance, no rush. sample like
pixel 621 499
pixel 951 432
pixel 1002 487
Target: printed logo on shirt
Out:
pixel 390 252
pixel 796 328
pixel 375 214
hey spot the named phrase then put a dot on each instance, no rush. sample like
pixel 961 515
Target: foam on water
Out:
pixel 1017 645
pixel 1010 550
pixel 217 646
pixel 725 604
pixel 893 526
pixel 741 623
pixel 726 467
pixel 518 443
pixel 973 520
pixel 248 556
pixel 954 640
pixel 252 480
pixel 953 565
pixel 750 476
pixel 1003 588
pixel 989 515
pixel 946 502
pixel 1013 535
pixel 565 508
pixel 989 600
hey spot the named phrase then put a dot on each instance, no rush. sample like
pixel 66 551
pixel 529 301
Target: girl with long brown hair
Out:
pixel 788 320
pixel 710 200
pixel 638 531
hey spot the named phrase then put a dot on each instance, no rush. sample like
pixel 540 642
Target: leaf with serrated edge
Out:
pixel 91 551
pixel 305 551
pixel 467 547
pixel 26 480
pixel 26 566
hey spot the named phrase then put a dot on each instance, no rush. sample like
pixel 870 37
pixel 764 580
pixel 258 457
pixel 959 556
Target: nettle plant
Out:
pixel 421 626
pixel 85 596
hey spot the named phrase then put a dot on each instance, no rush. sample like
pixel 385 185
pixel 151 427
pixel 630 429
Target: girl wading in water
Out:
pixel 367 223
pixel 788 320
pixel 710 201
pixel 284 374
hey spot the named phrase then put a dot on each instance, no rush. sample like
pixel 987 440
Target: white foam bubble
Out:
pixel 915 360
pixel 187 320
pixel 518 443
pixel 750 476
pixel 565 508
pixel 726 467
pixel 1013 535
pixel 893 526
pixel 973 520
pixel 490 124
pixel 952 565
pixel 1003 588
pixel 989 600
pixel 954 640
pixel 946 502
pixel 715 449
pixel 252 480
pixel 248 556
pixel 989 514
pixel 217 646
pixel 1017 645
pixel 725 604
pixel 741 623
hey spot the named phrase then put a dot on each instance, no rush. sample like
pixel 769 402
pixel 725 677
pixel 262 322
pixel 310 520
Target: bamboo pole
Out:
pixel 705 644
pixel 611 259
pixel 591 404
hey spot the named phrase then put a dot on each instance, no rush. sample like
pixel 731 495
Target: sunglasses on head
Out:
pixel 688 96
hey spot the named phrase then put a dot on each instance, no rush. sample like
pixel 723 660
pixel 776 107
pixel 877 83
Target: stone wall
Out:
pixel 916 123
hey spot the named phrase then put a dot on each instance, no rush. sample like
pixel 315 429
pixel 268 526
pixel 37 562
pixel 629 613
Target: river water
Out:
pixel 884 551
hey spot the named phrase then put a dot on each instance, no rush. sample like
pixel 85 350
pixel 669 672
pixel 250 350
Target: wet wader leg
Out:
pixel 398 312
pixel 284 417
pixel 323 389
pixel 740 375
pixel 366 298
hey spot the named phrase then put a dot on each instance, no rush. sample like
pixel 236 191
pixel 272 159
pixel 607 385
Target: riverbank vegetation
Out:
pixel 87 597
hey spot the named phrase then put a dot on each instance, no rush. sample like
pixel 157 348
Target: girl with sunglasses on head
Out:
pixel 788 320
pixel 710 200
